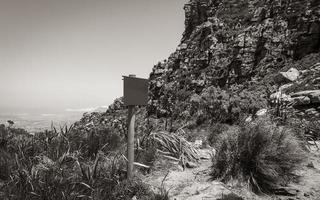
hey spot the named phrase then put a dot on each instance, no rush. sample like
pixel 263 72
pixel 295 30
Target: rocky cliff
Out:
pixel 234 55
pixel 230 56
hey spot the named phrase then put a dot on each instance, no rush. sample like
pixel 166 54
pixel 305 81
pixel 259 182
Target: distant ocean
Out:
pixel 40 122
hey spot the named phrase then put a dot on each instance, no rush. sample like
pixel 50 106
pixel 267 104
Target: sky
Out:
pixel 65 55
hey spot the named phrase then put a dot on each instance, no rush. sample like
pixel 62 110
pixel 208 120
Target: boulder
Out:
pixel 289 76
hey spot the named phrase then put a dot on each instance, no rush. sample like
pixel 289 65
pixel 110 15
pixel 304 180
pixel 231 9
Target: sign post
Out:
pixel 130 142
pixel 135 93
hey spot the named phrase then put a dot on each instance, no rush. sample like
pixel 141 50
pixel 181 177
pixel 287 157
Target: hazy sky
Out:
pixel 59 54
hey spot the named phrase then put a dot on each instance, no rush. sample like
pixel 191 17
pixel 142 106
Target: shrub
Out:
pixel 127 189
pixel 62 164
pixel 5 163
pixel 90 142
pixel 162 195
pixel 259 154
pixel 216 130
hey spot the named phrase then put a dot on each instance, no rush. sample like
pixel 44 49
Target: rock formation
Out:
pixel 236 47
pixel 233 55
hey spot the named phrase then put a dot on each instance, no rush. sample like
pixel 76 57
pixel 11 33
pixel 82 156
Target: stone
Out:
pixel 249 119
pixel 191 165
pixel 301 100
pixel 214 151
pixel 289 76
pixel 285 86
pixel 262 112
pixel 304 93
pixel 314 95
pixel 182 46
pixel 280 96
pixel 159 71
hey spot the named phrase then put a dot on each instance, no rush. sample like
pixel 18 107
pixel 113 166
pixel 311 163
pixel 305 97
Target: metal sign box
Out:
pixel 135 91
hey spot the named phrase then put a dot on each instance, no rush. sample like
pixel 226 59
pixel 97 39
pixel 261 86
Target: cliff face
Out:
pixel 234 55
pixel 230 52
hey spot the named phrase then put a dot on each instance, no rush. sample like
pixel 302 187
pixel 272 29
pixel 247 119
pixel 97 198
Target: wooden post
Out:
pixel 130 142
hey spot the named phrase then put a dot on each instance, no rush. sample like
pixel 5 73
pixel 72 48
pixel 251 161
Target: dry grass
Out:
pixel 259 154
pixel 173 145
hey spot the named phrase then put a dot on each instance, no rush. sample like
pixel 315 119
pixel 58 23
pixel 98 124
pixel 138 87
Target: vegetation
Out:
pixel 216 130
pixel 259 154
pixel 230 106
pixel 173 145
pixel 66 164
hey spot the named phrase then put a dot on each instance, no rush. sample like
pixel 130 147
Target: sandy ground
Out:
pixel 309 184
pixel 195 183
pixel 189 184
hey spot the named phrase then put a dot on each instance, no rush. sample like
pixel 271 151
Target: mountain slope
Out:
pixel 230 52
pixel 228 61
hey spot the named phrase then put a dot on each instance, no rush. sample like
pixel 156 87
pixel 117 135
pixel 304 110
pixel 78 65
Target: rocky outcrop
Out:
pixel 233 55
pixel 303 94
pixel 235 43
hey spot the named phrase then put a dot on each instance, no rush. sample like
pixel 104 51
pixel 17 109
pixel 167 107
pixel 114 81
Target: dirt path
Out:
pixel 195 183
pixel 309 184
pixel 190 184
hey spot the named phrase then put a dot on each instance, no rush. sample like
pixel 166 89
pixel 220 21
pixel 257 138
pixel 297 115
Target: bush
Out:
pixel 216 130
pixel 101 138
pixel 62 164
pixel 127 189
pixel 260 154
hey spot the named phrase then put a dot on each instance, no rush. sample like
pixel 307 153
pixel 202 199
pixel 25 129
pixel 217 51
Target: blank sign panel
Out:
pixel 135 91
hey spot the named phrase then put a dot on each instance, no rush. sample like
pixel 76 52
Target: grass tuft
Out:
pixel 260 154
